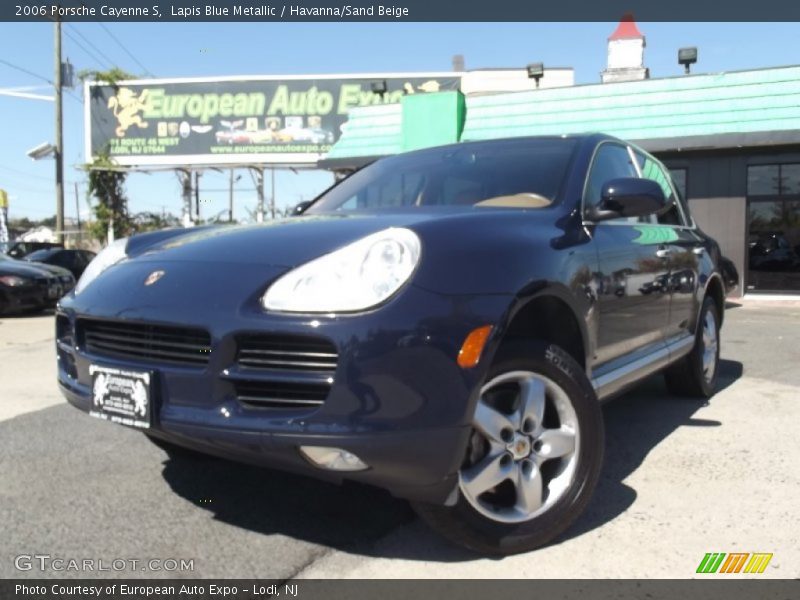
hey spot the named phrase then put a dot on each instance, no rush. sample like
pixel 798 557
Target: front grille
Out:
pixel 270 394
pixel 64 344
pixel 296 353
pixel 44 283
pixel 63 330
pixel 141 341
pixel 288 371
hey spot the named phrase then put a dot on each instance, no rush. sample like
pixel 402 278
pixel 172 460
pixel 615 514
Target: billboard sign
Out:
pixel 274 120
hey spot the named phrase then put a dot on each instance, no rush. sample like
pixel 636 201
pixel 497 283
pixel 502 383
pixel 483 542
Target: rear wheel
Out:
pixel 534 456
pixel 696 374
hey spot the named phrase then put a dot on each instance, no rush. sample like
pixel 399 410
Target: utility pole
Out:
pixel 272 196
pixel 260 212
pixel 230 198
pixel 186 191
pixel 78 213
pixel 197 194
pixel 59 139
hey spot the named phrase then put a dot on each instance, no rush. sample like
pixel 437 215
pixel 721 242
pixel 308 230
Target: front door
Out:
pixel 633 299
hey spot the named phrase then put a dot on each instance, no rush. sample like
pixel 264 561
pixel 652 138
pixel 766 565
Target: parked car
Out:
pixel 75 261
pixel 21 249
pixel 30 287
pixel 441 324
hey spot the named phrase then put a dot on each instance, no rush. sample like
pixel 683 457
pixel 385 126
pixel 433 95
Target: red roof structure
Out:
pixel 626 29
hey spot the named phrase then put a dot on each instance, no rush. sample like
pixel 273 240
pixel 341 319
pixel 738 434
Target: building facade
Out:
pixel 731 140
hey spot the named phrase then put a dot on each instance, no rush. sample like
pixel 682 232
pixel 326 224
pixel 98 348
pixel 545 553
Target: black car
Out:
pixel 22 249
pixel 75 261
pixel 443 324
pixel 28 286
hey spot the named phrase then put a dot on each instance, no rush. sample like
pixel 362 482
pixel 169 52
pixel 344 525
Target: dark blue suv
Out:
pixel 443 324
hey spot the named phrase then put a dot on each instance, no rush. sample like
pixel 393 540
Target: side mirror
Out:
pixel 629 197
pixel 300 208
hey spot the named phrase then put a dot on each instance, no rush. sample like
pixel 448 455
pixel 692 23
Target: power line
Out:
pixel 89 42
pixel 120 44
pixel 89 53
pixel 23 70
pixel 24 174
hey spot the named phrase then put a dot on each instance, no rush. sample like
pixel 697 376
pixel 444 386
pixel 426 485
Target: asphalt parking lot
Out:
pixel 681 478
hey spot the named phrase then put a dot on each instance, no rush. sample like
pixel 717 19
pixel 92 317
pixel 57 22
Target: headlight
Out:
pixel 353 278
pixel 111 255
pixel 13 281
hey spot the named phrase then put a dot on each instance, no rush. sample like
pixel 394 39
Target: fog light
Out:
pixel 334 459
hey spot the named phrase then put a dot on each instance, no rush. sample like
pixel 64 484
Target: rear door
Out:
pixel 680 248
pixel 633 300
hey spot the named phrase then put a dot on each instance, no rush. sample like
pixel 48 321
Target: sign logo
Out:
pixel 153 277
pixel 734 562
pixel 126 106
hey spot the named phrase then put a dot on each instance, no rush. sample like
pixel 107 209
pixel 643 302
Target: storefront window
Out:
pixel 790 179
pixel 763 180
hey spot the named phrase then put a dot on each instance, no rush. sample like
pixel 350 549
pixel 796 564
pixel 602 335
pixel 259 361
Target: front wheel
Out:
pixel 533 459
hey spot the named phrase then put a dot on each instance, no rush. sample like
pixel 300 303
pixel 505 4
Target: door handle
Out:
pixel 663 252
pixel 699 250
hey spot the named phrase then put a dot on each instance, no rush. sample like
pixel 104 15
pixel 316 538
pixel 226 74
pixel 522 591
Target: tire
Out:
pixel 696 374
pixel 501 520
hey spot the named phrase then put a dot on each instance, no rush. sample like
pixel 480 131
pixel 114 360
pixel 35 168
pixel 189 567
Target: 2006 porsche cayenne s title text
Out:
pixel 442 324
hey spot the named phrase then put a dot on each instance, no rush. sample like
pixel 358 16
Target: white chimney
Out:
pixel 625 53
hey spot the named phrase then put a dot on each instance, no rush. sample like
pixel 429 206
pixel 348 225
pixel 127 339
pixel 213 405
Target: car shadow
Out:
pixel 354 517
pixel 635 424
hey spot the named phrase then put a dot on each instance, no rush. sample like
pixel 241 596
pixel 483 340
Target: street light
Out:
pixel 44 150
pixel 535 72
pixel 378 87
pixel 686 57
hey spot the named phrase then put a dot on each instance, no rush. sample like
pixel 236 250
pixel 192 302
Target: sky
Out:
pixel 225 49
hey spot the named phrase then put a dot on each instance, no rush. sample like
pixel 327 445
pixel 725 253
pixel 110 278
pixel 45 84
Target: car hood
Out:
pixel 283 243
pixel 23 269
pixel 51 269
pixel 463 248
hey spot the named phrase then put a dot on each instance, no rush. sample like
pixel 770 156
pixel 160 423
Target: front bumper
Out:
pixel 41 294
pixel 398 399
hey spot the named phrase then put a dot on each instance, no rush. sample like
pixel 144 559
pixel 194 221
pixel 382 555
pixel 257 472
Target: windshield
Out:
pixel 521 173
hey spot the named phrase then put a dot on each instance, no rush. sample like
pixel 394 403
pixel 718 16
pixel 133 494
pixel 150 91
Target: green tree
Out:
pixel 112 76
pixel 106 181
pixel 107 185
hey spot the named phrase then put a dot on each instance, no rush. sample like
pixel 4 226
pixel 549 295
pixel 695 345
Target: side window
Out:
pixel 651 169
pixel 611 161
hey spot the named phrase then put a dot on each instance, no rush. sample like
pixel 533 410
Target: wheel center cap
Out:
pixel 519 447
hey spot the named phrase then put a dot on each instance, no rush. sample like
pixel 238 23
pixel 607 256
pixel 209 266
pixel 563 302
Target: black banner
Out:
pixel 287 121
pixel 403 10
pixel 482 589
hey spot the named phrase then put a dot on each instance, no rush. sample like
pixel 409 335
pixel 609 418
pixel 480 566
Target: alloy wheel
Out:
pixel 524 449
pixel 710 346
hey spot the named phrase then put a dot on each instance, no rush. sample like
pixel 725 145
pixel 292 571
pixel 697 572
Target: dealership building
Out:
pixel 731 140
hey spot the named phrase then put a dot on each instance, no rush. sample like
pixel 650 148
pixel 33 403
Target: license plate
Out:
pixel 121 396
